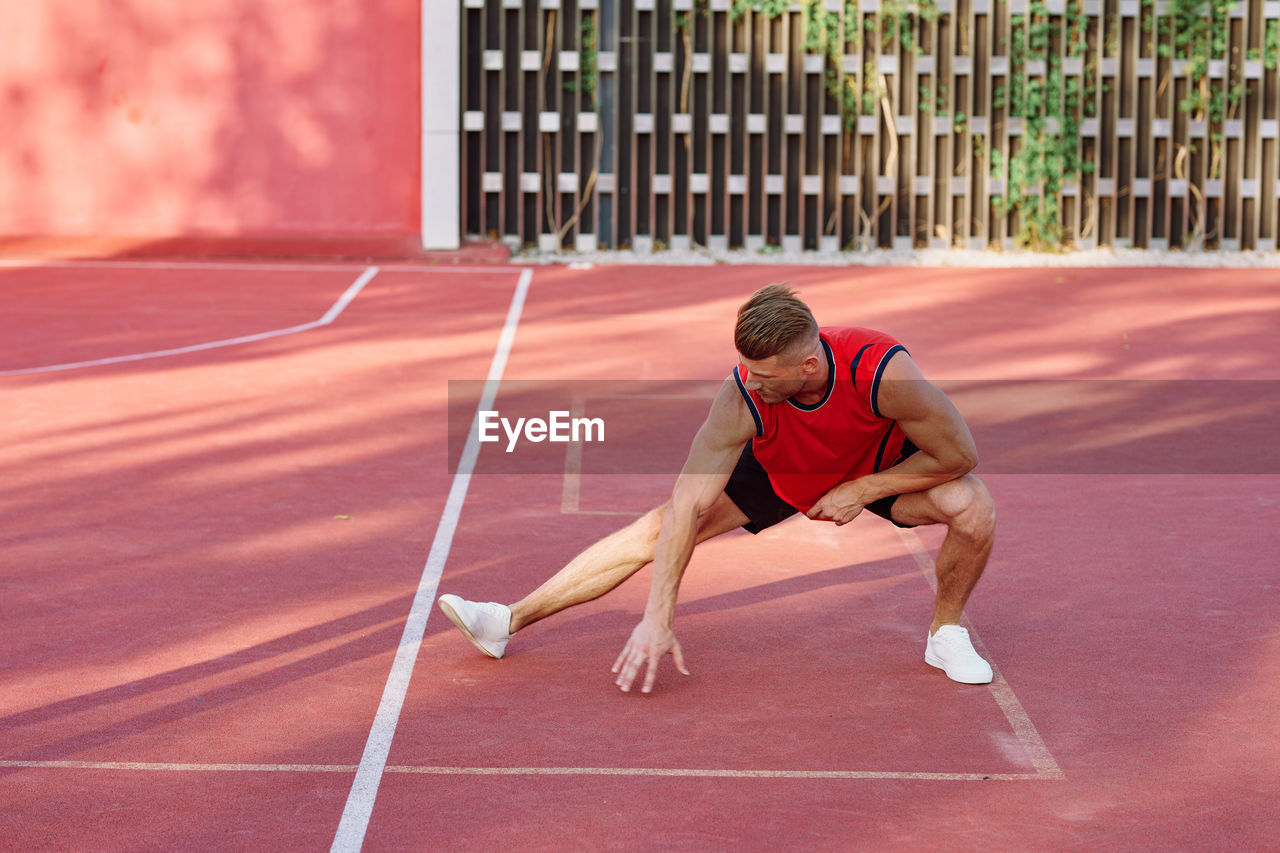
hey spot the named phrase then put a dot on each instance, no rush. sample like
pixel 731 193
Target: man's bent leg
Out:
pixel 966 508
pixel 609 562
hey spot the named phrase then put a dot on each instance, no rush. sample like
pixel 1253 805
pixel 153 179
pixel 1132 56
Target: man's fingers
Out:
pixel 631 668
pixel 645 651
pixel 678 657
pixel 825 510
pixel 651 674
pixel 626 650
pixel 628 673
pixel 844 515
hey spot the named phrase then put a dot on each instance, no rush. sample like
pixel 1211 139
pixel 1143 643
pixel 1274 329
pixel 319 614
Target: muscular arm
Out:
pixel 711 460
pixel 933 424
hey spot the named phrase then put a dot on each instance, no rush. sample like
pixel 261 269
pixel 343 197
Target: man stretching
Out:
pixel 828 422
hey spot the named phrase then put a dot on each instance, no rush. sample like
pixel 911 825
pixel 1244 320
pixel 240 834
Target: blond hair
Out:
pixel 772 322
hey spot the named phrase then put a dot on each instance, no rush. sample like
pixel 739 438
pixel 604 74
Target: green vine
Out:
pixel 1050 105
pixel 588 63
pixel 834 34
pixel 899 20
pixel 768 8
pixel 1197 32
pixel 1050 101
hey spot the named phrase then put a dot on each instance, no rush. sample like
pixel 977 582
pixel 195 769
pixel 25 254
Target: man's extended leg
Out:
pixel 591 574
pixel 966 508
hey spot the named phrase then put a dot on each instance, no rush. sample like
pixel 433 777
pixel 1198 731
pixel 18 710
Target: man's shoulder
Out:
pixel 843 337
pixel 852 331
pixel 733 414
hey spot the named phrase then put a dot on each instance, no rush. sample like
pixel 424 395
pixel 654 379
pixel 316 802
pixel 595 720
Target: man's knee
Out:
pixel 651 522
pixel 720 517
pixel 966 506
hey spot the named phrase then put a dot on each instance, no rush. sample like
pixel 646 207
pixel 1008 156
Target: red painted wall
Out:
pixel 209 118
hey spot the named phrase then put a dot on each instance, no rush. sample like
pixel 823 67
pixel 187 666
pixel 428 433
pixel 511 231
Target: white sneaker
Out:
pixel 950 651
pixel 487 625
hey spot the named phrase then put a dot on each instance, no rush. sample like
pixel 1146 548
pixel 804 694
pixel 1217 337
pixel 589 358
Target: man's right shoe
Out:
pixel 951 650
pixel 487 625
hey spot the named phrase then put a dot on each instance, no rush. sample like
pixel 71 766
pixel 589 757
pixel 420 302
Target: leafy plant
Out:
pixel 770 8
pixel 1050 106
pixel 588 62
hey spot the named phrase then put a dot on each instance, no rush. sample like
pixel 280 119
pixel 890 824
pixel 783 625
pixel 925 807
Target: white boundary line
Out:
pixel 1017 716
pixel 571 488
pixel 709 773
pixel 332 314
pixel 176 767
pixel 364 789
pixel 696 772
pixel 107 263
pixel 282 266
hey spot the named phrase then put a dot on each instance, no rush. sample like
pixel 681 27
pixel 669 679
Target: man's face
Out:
pixel 773 378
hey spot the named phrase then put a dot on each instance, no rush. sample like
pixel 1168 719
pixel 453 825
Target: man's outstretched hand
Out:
pixel 648 643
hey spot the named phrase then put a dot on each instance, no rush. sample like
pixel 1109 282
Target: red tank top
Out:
pixel 808 450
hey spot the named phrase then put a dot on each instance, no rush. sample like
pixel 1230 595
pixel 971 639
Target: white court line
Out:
pixel 364 789
pixel 332 314
pixel 571 490
pixel 571 486
pixel 176 767
pixel 281 266
pixel 710 774
pixel 695 772
pixel 1017 716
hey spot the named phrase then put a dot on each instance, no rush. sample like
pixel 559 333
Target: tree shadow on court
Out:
pixel 868 579
pixel 157 508
pixel 372 637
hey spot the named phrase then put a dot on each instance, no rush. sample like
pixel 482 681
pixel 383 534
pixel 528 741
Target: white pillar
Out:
pixel 441 134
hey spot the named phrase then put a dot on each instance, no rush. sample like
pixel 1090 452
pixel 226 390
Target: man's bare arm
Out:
pixel 711 461
pixel 931 421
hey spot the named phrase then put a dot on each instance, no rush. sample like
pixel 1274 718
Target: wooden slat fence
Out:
pixel 837 125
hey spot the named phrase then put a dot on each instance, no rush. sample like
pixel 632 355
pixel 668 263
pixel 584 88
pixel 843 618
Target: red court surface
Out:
pixel 216 530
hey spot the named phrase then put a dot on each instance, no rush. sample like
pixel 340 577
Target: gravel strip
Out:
pixel 913 258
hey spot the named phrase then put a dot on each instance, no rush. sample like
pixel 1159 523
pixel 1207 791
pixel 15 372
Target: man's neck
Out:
pixel 815 387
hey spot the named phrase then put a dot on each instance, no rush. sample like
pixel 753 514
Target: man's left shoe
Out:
pixel 486 624
pixel 950 651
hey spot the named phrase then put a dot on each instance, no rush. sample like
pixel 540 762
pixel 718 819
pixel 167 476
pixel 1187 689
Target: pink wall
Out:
pixel 164 118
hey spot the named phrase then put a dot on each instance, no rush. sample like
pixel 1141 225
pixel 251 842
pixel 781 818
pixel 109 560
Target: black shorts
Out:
pixel 749 488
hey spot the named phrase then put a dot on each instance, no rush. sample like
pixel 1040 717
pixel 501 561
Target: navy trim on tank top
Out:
pixel 875 385
pixel 751 404
pixel 884 442
pixel 853 365
pixel 908 448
